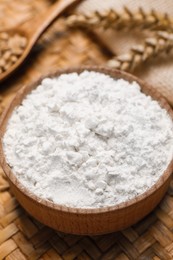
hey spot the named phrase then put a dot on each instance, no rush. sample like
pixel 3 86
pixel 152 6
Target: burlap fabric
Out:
pixel 159 71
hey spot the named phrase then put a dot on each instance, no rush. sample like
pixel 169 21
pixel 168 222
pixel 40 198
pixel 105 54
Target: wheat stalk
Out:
pixel 125 19
pixel 162 42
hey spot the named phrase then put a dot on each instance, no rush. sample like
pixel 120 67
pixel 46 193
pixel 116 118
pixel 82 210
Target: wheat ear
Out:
pixel 121 20
pixel 162 42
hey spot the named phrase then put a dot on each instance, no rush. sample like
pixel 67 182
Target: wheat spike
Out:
pixel 121 20
pixel 162 42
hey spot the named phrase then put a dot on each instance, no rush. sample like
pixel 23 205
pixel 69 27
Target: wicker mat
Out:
pixel 21 236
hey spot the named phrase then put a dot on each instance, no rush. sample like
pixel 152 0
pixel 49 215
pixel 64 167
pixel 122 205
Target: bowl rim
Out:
pixel 58 207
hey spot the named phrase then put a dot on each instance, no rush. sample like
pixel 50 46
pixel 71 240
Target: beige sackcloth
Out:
pixel 158 71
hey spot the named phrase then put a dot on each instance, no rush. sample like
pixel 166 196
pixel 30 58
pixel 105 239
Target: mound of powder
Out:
pixel 88 140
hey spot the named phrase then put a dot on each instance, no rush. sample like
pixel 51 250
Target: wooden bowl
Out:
pixel 86 221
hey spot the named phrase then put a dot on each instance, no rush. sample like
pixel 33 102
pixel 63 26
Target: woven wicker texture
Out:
pixel 21 236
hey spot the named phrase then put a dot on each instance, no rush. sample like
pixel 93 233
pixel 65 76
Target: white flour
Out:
pixel 88 140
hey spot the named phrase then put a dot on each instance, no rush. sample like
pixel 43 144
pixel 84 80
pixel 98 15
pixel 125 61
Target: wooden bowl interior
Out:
pixel 27 89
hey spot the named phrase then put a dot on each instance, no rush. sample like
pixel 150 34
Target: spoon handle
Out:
pixel 39 24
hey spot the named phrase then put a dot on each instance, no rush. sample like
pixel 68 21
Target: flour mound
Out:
pixel 88 140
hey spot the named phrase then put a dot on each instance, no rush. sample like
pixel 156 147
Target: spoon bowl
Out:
pixel 30 31
pixel 16 48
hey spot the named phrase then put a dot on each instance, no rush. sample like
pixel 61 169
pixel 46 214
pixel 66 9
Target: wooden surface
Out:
pixel 22 237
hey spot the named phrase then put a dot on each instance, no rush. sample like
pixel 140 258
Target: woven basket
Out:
pixel 86 221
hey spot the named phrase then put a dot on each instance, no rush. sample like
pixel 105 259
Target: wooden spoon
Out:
pixel 16 43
